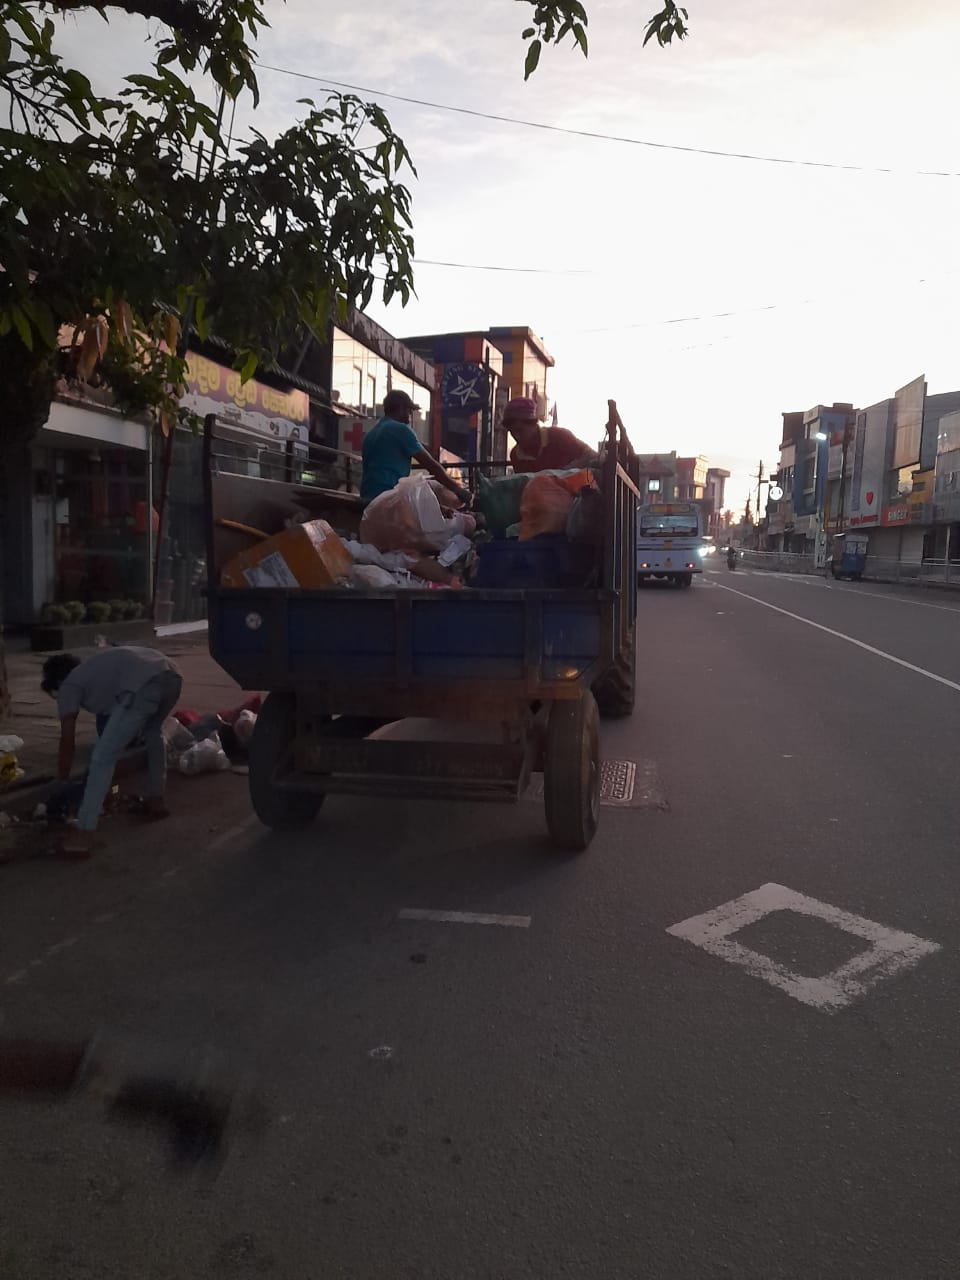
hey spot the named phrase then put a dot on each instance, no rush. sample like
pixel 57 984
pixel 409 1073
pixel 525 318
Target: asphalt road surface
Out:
pixel 770 1091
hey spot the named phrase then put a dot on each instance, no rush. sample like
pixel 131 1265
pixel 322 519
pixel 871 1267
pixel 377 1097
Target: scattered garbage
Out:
pixel 372 576
pixel 244 726
pixel 10 770
pixel 456 549
pixel 207 756
pixel 177 738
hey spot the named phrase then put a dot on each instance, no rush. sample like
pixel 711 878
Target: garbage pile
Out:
pixel 528 530
pixel 544 529
pixel 209 743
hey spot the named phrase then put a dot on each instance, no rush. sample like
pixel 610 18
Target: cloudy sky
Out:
pixel 840 284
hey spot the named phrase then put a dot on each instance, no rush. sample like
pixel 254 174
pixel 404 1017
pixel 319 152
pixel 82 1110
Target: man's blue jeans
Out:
pixel 137 713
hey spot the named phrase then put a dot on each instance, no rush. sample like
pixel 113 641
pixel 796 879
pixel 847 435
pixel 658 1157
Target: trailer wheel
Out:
pixel 615 691
pixel 685 580
pixel 272 738
pixel 571 782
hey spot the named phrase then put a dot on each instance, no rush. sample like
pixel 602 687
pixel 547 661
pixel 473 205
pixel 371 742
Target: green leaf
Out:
pixel 41 316
pixel 580 36
pixel 200 318
pixel 530 31
pixel 249 366
pixel 532 58
pixel 22 325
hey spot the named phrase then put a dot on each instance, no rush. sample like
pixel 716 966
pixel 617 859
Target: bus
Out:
pixel 669 542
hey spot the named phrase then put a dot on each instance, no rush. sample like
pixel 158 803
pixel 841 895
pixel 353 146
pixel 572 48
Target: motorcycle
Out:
pixel 731 558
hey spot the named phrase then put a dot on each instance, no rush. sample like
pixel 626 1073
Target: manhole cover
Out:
pixel 633 784
pixel 617 780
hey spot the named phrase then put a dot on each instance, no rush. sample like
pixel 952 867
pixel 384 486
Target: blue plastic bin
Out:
pixel 549 560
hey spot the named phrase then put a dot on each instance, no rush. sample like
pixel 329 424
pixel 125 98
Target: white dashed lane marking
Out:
pixel 463 917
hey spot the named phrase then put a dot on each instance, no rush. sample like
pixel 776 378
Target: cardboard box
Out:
pixel 309 556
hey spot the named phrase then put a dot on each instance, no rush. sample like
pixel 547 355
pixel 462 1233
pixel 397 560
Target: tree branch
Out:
pixel 187 17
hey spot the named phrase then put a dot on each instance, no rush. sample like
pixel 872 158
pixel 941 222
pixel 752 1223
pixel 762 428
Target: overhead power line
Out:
pixel 606 137
pixel 482 266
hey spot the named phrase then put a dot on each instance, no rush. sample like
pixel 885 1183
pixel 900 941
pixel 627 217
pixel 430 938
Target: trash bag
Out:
pixel 585 521
pixel 207 756
pixel 410 518
pixel 547 502
pixel 498 501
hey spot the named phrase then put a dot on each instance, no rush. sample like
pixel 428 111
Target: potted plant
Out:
pixel 75 625
pixel 99 612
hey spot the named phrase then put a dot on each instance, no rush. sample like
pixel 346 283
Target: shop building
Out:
pixel 478 372
pixel 73 523
pixel 471 393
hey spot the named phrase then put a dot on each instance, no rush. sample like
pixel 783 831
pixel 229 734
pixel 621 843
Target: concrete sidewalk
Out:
pixel 34 715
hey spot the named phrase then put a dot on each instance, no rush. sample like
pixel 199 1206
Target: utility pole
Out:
pixel 759 483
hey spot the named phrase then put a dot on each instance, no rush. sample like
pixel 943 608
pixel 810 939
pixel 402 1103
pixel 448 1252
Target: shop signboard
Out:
pixel 897 513
pixel 353 428
pixel 213 388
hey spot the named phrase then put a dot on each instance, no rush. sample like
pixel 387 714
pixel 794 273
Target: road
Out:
pixel 580 1094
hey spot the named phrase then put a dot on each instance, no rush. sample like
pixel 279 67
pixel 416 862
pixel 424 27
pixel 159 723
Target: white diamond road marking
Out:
pixel 890 951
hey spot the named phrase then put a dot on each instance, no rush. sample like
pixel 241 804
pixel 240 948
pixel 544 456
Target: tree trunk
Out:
pixel 4 685
pixel 28 380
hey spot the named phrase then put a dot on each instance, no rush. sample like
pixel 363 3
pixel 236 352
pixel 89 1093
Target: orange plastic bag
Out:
pixel 547 501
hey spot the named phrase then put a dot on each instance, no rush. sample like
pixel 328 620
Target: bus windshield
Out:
pixel 663 526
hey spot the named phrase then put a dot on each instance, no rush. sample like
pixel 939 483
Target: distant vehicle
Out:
pixel 669 542
pixel 849 555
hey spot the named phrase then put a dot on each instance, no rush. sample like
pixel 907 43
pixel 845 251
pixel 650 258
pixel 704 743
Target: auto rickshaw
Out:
pixel 849 557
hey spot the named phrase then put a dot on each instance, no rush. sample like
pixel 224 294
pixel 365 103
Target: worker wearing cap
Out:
pixel 541 448
pixel 390 447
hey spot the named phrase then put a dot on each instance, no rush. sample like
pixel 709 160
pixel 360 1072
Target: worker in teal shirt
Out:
pixel 390 447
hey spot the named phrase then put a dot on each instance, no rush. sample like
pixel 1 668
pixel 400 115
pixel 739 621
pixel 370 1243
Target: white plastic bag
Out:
pixel 372 577
pixel 456 548
pixel 207 756
pixel 244 726
pixel 409 517
pixel 392 561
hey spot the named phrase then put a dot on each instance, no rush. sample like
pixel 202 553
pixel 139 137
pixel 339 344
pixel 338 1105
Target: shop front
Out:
pixel 77 546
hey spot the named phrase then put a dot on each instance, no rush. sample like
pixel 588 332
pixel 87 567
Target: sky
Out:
pixel 836 284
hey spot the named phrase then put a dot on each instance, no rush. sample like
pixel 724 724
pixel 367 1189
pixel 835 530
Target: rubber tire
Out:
pixel 686 580
pixel 272 735
pixel 571 775
pixel 615 691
